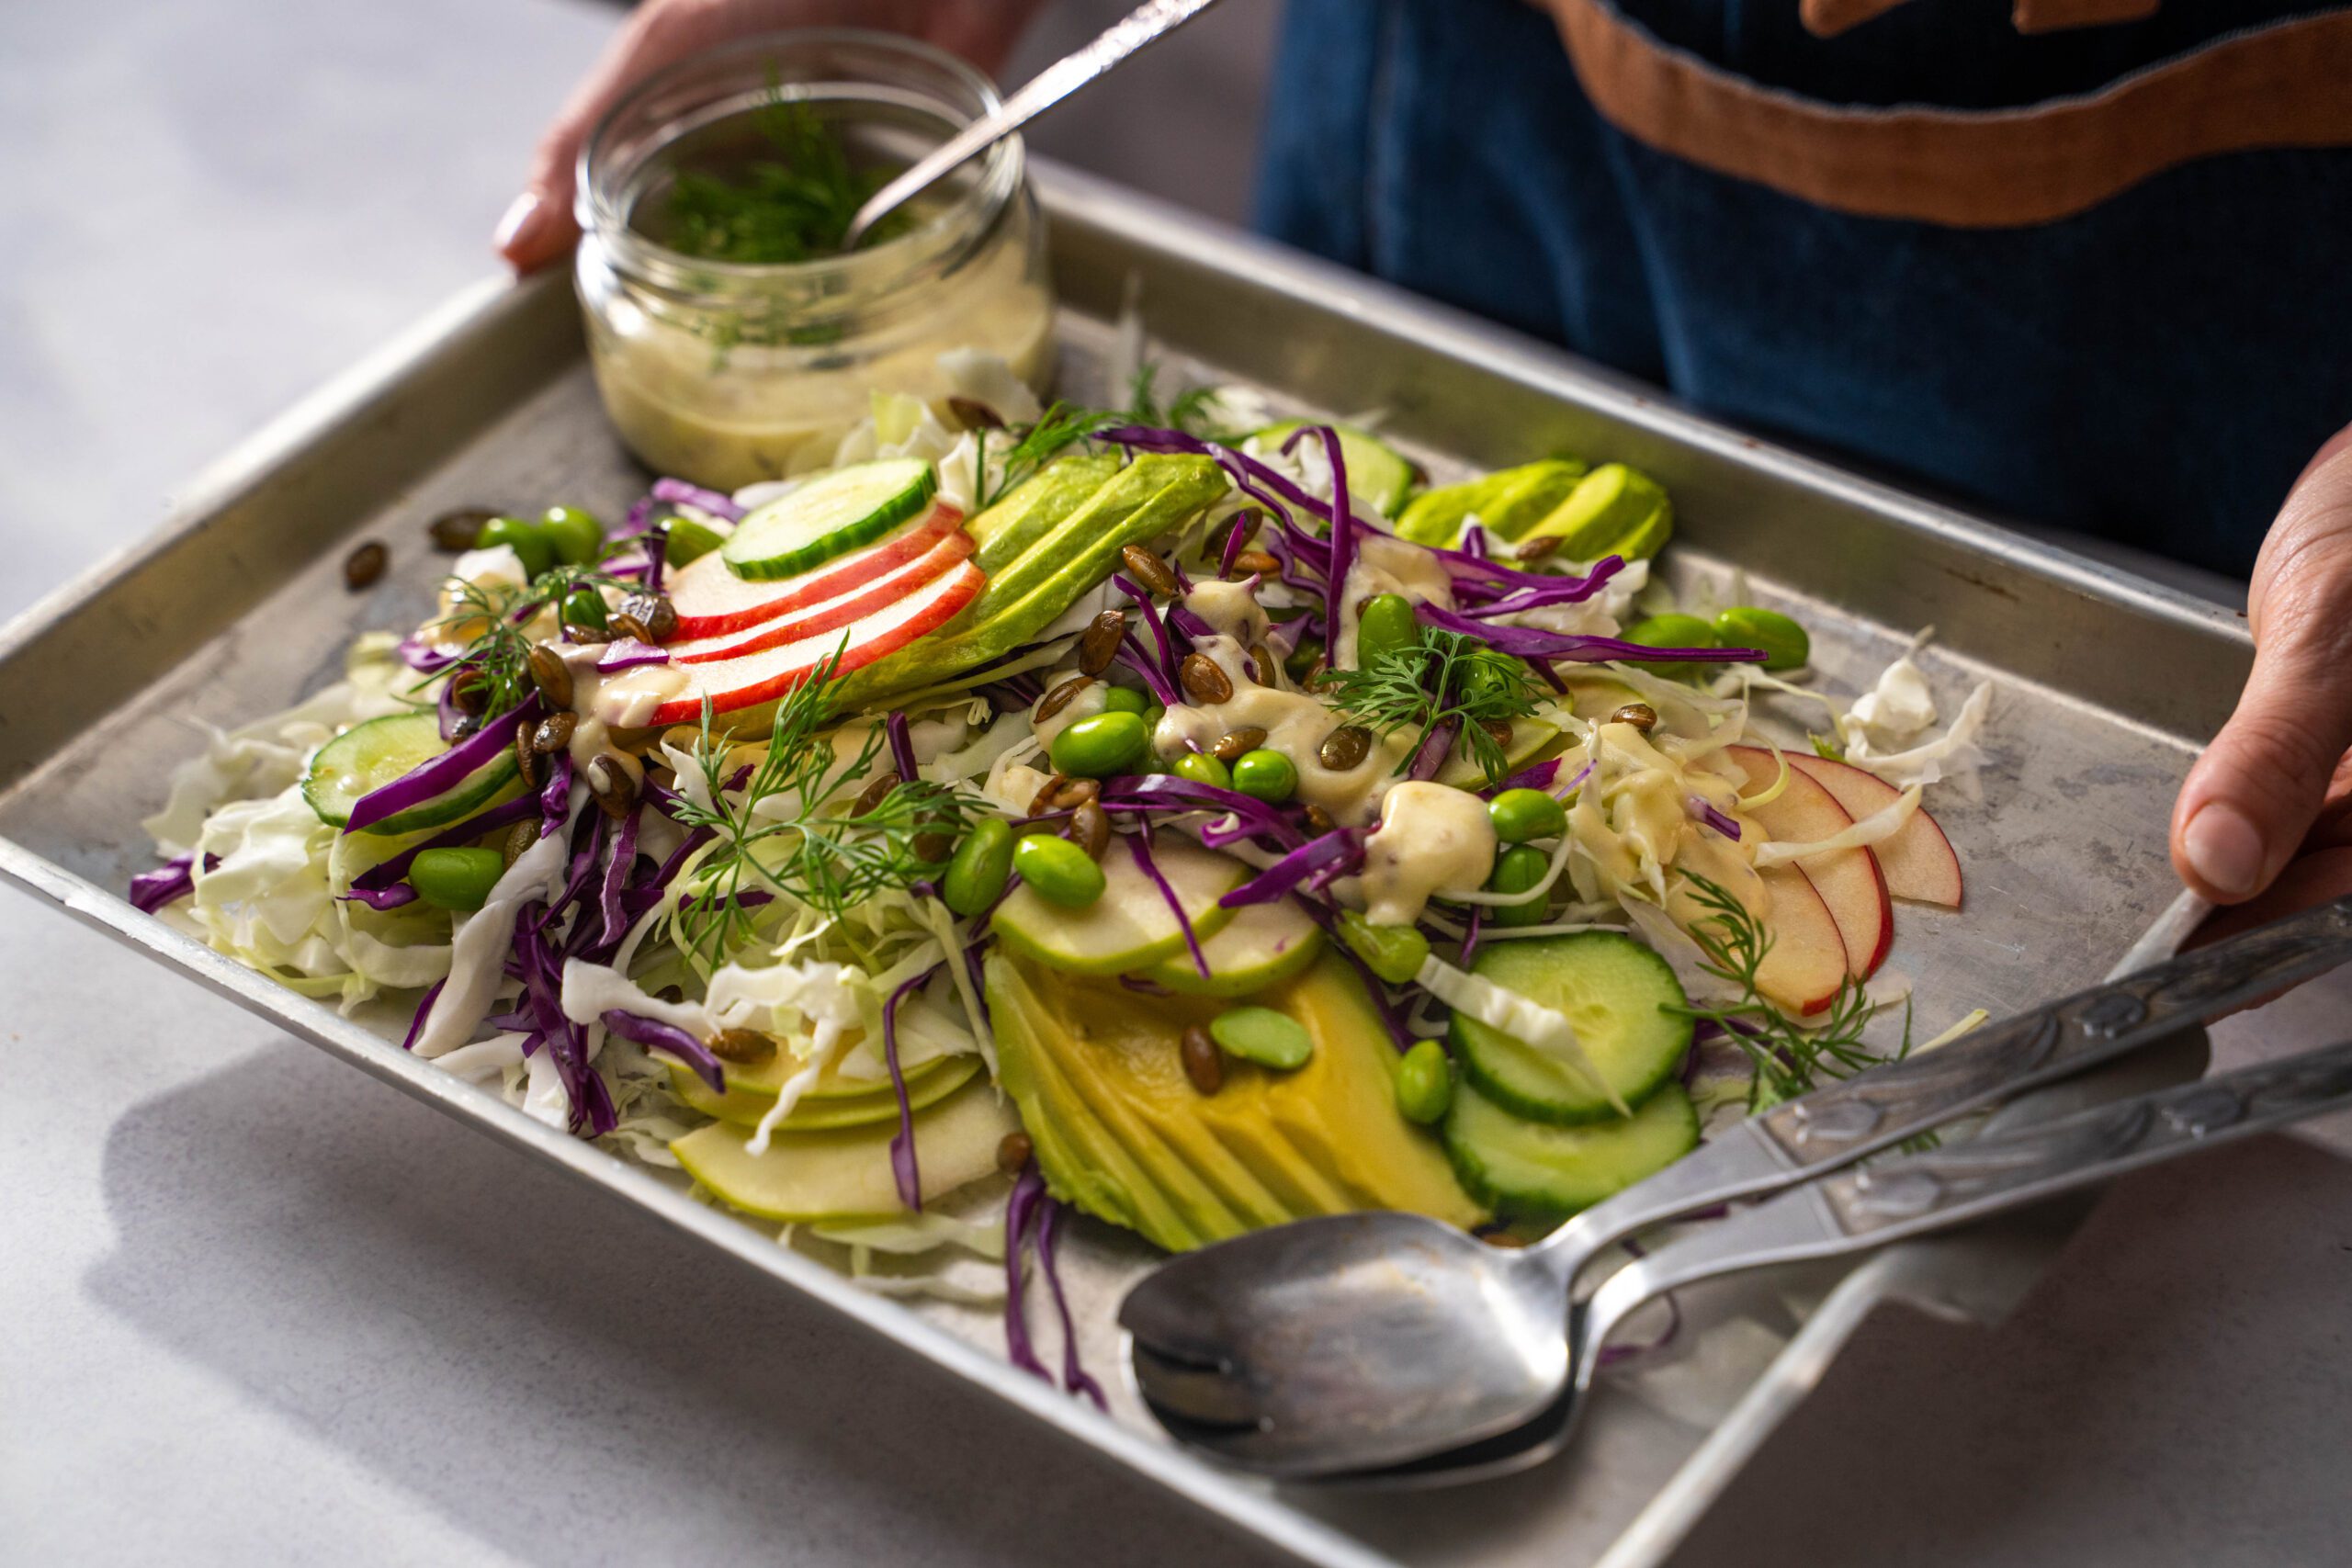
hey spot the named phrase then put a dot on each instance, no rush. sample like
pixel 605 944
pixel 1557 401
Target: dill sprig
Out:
pixel 1447 678
pixel 497 653
pixel 794 208
pixel 1790 1060
pixel 787 829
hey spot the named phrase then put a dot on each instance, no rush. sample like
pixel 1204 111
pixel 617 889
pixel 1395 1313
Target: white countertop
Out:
pixel 260 1309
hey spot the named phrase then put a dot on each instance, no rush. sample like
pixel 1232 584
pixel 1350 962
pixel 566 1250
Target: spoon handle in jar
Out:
pixel 1147 24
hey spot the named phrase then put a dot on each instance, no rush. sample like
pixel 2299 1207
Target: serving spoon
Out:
pixel 1365 1342
pixel 1146 24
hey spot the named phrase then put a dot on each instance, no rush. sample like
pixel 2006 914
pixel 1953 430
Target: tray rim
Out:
pixel 1919 1273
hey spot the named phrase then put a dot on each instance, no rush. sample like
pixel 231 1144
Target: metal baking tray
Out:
pixel 2105 686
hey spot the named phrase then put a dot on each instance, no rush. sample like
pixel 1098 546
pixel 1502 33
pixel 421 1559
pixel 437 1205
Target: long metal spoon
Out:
pixel 1367 1341
pixel 1147 24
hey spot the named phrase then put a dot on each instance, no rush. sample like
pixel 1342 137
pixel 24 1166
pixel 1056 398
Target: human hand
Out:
pixel 2265 820
pixel 540 226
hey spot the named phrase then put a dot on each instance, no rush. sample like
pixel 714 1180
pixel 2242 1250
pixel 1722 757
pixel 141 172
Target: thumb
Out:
pixel 2255 793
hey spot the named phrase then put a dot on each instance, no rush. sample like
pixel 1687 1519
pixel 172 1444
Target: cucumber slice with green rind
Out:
pixel 832 515
pixel 1616 994
pixel 366 757
pixel 1378 474
pixel 1534 1168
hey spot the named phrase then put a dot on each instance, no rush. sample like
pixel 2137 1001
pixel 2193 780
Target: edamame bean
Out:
pixel 1261 1035
pixel 1395 954
pixel 977 872
pixel 1523 814
pixel 1266 775
pixel 1058 870
pixel 1784 642
pixel 1387 626
pixel 524 537
pixel 689 540
pixel 584 608
pixel 1520 868
pixel 456 879
pixel 577 538
pixel 1672 631
pixel 1203 769
pixel 1125 699
pixel 1424 1084
pixel 1098 747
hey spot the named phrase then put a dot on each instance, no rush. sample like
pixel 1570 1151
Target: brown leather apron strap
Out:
pixel 2288 85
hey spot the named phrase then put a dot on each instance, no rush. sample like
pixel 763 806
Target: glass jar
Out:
pixel 728 373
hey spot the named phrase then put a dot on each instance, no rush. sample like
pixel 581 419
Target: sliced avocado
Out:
pixel 1155 494
pixel 1377 473
pixel 845 1174
pixel 1264 945
pixel 1507 503
pixel 745 1104
pixel 1097 1071
pixel 1035 507
pixel 1613 511
pixel 1130 927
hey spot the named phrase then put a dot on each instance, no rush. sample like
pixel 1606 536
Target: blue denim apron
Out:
pixel 2155 369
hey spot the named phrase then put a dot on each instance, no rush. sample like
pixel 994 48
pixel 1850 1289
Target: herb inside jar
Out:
pixel 794 208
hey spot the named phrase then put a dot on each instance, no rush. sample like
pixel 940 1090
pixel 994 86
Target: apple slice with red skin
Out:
pixel 1849 881
pixel 712 601
pixel 868 598
pixel 1919 860
pixel 735 684
pixel 1806 966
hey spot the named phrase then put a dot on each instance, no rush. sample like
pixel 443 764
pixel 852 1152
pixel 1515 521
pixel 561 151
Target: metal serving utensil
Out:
pixel 1146 24
pixel 1367 1342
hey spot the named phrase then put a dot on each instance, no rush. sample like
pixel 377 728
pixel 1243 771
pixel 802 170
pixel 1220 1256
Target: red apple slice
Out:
pixel 1807 962
pixel 762 677
pixel 712 601
pixel 1849 881
pixel 1919 860
pixel 868 598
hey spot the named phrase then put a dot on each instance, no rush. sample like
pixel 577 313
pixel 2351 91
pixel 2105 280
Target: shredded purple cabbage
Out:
pixel 1541 592
pixel 439 774
pixel 678 492
pixel 425 657
pixel 1318 863
pixel 1470 936
pixel 1172 793
pixel 424 1010
pixel 1705 812
pixel 1028 1191
pixel 902 745
pixel 1163 691
pixel 1074 1377
pixel 1531 643
pixel 628 653
pixel 1536 775
pixel 555 795
pixel 173 880
pixel 1429 757
pixel 1344 527
pixel 454 720
pixel 1140 846
pixel 656 1035
pixel 903 1168
pixel 618 865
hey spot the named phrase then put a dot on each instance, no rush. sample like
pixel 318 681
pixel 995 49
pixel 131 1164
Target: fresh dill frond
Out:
pixel 495 619
pixel 1789 1059
pixel 1054 432
pixel 1447 678
pixel 794 208
pixel 787 830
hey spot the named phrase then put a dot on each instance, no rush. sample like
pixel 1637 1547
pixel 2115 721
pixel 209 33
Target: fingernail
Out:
pixel 2225 849
pixel 522 224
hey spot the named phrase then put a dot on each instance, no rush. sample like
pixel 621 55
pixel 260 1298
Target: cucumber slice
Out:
pixel 745 1104
pixel 1377 473
pixel 1130 927
pixel 830 515
pixel 1533 1168
pixel 1266 944
pixel 366 757
pixel 1616 994
pixel 845 1173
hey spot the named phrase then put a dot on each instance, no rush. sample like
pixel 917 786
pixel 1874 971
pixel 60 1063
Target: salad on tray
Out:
pixel 1194 818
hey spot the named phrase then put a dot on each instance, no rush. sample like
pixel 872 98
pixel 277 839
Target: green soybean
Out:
pixel 1125 699
pixel 1671 631
pixel 1060 872
pixel 1785 644
pixel 1424 1084
pixel 1395 954
pixel 979 868
pixel 1203 769
pixel 524 537
pixel 584 608
pixel 456 879
pixel 1261 1035
pixel 1098 747
pixel 1387 626
pixel 690 540
pixel 1266 775
pixel 1523 814
pixel 578 538
pixel 1520 868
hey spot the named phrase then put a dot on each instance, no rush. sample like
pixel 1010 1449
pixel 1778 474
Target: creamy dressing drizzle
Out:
pixel 1387 565
pixel 1432 837
pixel 1295 724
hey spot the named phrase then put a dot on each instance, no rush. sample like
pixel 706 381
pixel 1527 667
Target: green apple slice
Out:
pixel 1264 945
pixel 845 1173
pixel 746 1103
pixel 1131 926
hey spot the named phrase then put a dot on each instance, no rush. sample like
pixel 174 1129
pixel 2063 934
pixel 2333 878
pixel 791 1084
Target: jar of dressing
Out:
pixel 727 372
